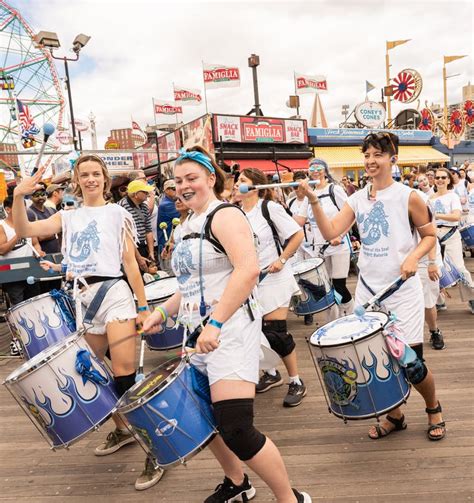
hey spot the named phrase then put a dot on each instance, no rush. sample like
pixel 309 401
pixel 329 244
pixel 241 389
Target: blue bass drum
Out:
pixel 63 404
pixel 317 293
pixel 467 234
pixel 171 336
pixel 360 377
pixel 41 321
pixel 449 274
pixel 170 410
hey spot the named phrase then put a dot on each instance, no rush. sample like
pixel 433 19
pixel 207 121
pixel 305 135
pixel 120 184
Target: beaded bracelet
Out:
pixel 163 312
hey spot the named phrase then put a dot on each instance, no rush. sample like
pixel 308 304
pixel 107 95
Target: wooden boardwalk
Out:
pixel 333 461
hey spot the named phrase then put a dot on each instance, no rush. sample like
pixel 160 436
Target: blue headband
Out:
pixel 318 162
pixel 196 156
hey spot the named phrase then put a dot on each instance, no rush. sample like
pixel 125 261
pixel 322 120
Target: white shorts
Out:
pixel 338 264
pixel 430 288
pixel 406 303
pixel 118 304
pixel 276 290
pixel 237 357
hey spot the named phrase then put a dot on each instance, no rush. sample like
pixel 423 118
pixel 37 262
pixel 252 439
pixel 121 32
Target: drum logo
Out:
pixel 166 428
pixel 340 381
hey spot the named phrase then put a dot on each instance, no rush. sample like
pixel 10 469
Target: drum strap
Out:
pixel 451 231
pixel 387 294
pixel 98 298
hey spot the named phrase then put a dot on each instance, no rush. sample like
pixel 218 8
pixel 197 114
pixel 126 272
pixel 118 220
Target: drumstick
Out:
pixel 175 222
pixel 163 227
pixel 33 249
pixel 360 310
pixel 140 375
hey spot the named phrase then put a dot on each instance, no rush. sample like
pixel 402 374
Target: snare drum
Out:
pixel 317 293
pixel 60 402
pixel 170 410
pixel 42 321
pixel 361 378
pixel 449 274
pixel 170 336
pixel 467 234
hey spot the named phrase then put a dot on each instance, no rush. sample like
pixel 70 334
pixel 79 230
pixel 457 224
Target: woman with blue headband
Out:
pixel 337 255
pixel 216 265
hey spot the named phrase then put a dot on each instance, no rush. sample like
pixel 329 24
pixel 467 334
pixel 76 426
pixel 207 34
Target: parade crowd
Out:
pixel 238 253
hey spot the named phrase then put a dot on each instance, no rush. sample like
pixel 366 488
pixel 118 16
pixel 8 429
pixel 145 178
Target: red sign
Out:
pixel 168 109
pixel 245 129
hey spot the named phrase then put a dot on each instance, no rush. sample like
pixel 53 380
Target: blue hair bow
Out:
pixel 196 156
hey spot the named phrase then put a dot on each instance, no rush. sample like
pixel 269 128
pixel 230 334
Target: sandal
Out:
pixel 382 432
pixel 441 425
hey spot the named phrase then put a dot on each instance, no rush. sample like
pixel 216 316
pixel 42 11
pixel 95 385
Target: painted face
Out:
pixel 194 184
pixel 376 161
pixel 91 178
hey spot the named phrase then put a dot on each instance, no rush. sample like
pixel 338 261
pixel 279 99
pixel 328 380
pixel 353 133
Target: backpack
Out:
pixel 331 195
pixel 266 216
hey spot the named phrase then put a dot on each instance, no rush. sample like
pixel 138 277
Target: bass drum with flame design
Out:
pixel 61 402
pixel 360 377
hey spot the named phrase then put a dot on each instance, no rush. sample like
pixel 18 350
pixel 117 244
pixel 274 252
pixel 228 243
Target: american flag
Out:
pixel 27 123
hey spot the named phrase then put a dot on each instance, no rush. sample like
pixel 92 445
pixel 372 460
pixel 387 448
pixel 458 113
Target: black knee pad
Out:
pixel 281 341
pixel 235 423
pixel 124 383
pixel 416 371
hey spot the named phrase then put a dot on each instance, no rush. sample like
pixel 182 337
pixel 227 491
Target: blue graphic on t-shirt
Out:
pixel 373 225
pixel 439 207
pixel 183 261
pixel 83 242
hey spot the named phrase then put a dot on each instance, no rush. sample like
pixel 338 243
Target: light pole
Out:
pixel 50 39
pixel 254 61
pixel 447 59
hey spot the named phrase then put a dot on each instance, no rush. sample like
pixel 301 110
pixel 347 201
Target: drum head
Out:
pixel 306 265
pixel 155 381
pixel 41 358
pixel 348 329
pixel 161 289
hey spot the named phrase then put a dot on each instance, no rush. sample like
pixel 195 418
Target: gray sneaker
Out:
pixel 296 393
pixel 268 381
pixel 115 440
pixel 150 476
pixel 471 305
pixel 436 339
pixel 441 307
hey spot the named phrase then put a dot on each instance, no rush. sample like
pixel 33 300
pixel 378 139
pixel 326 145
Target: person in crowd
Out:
pixel 446 206
pixel 386 214
pixel 460 186
pixel 139 175
pixel 106 242
pixel 135 202
pixel 430 174
pixel 349 187
pixel 279 236
pixel 166 212
pixel 337 252
pixel 424 185
pixel 55 195
pixel 228 343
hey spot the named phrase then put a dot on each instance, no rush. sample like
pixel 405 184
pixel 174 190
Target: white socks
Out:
pixel 295 380
pixel 272 372
pixel 346 308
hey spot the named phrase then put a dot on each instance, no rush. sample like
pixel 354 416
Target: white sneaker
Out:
pixel 150 475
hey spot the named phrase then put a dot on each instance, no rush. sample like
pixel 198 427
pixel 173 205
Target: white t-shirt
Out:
pixel 331 210
pixel 299 207
pixel 445 204
pixel 461 190
pixel 21 249
pixel 93 239
pixel 470 200
pixel 284 224
pixel 423 262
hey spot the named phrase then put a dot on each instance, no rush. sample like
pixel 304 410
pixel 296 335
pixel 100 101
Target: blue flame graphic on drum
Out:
pixel 76 412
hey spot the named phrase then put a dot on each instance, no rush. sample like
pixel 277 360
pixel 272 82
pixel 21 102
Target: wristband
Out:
pixel 163 312
pixel 140 309
pixel 215 323
pixel 432 262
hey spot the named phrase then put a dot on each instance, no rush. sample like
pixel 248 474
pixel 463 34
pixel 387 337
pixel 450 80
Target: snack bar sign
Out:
pixel 244 129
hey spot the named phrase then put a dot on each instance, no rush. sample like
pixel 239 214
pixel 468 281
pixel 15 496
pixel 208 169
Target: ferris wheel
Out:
pixel 30 90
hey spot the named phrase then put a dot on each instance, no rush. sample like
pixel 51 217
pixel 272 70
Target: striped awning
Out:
pixel 352 157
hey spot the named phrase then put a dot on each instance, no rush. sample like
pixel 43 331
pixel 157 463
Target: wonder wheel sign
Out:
pixel 456 123
pixel 468 112
pixel 427 122
pixel 408 86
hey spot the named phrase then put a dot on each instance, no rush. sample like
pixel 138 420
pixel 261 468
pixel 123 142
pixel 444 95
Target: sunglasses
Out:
pixel 38 194
pixel 381 136
pixel 441 177
pixel 171 188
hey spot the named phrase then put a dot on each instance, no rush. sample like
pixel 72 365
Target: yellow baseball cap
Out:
pixel 138 186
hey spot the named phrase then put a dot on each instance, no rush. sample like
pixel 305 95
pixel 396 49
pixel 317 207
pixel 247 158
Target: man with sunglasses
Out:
pixel 396 232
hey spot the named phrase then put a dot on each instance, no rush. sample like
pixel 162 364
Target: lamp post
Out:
pixel 254 61
pixel 50 39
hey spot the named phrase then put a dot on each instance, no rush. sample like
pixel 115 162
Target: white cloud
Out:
pixel 138 48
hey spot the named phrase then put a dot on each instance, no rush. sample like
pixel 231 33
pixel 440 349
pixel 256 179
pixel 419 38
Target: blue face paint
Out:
pixel 196 156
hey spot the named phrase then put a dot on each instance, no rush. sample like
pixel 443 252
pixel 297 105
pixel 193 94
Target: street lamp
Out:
pixel 254 61
pixel 50 39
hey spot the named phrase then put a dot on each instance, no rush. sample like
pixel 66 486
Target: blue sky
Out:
pixel 138 48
